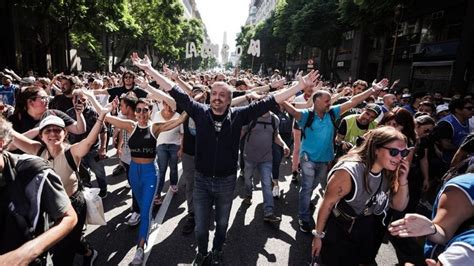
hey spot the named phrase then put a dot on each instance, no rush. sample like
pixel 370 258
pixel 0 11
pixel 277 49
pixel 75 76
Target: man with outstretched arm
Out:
pixel 218 128
pixel 317 151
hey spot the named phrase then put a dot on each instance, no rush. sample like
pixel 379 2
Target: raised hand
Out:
pixel 144 63
pixel 278 83
pixel 380 85
pixel 87 93
pixel 141 82
pixel 107 109
pixel 411 225
pixel 310 80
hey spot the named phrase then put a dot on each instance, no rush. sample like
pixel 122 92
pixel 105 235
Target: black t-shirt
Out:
pixel 23 122
pixel 218 120
pixel 343 127
pixel 189 136
pixel 118 91
pixel 61 102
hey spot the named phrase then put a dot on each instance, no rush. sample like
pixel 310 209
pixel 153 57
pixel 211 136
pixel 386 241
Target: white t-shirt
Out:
pixel 457 254
pixel 172 136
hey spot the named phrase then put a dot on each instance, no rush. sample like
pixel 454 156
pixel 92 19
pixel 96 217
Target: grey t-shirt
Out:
pixel 55 201
pixel 258 145
pixel 363 202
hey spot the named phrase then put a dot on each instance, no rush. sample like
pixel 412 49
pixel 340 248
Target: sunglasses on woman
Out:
pixel 55 130
pixel 394 152
pixel 141 110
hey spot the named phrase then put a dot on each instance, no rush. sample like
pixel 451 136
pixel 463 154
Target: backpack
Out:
pixel 310 120
pixel 254 122
pixel 21 182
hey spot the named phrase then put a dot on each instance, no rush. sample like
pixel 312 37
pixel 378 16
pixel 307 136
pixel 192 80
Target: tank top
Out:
pixel 64 171
pixel 142 142
pixel 362 201
pixel 460 132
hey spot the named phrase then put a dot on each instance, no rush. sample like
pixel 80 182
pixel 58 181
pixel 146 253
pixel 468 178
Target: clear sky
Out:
pixel 221 16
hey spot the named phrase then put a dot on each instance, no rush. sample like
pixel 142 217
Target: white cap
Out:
pixel 441 108
pixel 51 120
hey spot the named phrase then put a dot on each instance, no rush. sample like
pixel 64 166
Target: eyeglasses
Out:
pixel 394 151
pixel 55 130
pixel 43 98
pixel 141 110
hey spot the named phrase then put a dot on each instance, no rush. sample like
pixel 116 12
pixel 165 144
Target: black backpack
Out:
pixel 254 122
pixel 19 220
pixel 310 120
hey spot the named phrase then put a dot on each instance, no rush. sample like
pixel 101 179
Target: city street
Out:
pixel 250 241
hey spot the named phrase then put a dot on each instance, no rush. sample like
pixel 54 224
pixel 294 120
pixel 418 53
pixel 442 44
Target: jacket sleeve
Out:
pixel 256 109
pixel 185 102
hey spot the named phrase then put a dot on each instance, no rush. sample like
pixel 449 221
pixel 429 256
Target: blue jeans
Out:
pixel 97 167
pixel 265 169
pixel 143 182
pixel 277 154
pixel 312 174
pixel 167 154
pixel 207 192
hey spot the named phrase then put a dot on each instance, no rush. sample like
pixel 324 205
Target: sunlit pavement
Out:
pixel 250 241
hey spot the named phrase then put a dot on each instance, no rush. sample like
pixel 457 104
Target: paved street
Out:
pixel 250 241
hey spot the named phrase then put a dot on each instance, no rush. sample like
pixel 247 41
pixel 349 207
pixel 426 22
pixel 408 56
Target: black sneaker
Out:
pixel 103 193
pixel 272 218
pixel 200 259
pixel 216 257
pixel 90 260
pixel 188 227
pixel 294 177
pixel 305 227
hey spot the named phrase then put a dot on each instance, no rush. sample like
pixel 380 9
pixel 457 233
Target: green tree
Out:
pixel 193 31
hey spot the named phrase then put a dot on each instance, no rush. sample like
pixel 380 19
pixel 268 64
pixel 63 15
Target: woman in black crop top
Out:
pixel 142 173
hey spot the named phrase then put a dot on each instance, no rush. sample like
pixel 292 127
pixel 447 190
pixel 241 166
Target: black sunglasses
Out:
pixel 394 151
pixel 141 110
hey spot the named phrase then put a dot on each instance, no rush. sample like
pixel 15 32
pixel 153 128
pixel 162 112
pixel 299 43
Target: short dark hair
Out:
pixel 147 102
pixel 457 104
pixel 130 99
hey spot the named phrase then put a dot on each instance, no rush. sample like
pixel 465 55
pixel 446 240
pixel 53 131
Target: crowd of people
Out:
pixel 390 162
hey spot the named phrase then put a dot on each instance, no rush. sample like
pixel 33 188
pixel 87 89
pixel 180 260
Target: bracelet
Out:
pixel 435 229
pixel 318 235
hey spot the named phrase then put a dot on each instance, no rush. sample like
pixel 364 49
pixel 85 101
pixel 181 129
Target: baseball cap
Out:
pixel 406 95
pixel 374 108
pixel 51 120
pixel 442 108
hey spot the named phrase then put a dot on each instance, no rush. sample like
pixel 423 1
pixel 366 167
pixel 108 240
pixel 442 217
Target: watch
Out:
pixel 318 235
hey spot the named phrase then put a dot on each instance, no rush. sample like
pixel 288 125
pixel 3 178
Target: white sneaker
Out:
pixel 276 191
pixel 134 219
pixel 138 259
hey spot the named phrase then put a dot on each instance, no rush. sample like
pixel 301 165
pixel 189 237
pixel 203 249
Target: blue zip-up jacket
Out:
pixel 216 153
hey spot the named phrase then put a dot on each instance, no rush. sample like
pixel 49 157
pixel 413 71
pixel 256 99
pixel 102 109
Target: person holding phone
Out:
pixel 362 186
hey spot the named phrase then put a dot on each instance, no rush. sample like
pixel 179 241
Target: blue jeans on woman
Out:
pixel 143 182
pixel 209 191
pixel 167 155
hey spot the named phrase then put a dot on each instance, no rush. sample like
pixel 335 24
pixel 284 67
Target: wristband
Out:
pixel 435 229
pixel 318 235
